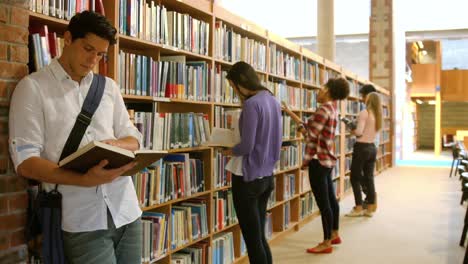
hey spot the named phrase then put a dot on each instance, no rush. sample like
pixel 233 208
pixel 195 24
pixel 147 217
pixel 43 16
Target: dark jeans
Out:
pixel 250 201
pixel 325 196
pixel 362 171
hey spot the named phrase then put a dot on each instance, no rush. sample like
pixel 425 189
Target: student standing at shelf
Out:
pixel 319 156
pixel 364 91
pixel 364 155
pixel 258 151
pixel 100 211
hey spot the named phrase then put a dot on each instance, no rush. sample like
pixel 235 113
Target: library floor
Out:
pixel 419 220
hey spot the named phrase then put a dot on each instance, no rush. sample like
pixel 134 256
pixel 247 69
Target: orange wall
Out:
pixel 425 77
pixel 454 85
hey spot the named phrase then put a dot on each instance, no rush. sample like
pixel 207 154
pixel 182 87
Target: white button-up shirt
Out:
pixel 43 111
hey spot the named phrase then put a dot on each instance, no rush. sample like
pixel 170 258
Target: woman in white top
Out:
pixel 364 155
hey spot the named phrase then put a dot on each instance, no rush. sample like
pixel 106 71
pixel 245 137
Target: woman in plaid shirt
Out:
pixel 319 133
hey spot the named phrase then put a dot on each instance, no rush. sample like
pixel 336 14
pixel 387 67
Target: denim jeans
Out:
pixel 114 246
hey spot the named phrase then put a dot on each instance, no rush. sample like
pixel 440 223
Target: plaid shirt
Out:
pixel 320 137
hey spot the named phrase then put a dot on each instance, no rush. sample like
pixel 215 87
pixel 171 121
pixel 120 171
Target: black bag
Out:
pixel 45 208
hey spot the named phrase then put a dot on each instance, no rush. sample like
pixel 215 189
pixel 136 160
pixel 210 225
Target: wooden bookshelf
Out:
pixel 210 13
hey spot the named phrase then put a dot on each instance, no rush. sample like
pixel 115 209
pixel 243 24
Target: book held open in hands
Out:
pixel 350 124
pixel 90 155
pixel 229 136
pixel 222 137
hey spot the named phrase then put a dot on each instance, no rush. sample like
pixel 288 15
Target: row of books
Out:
pixel 194 254
pixel 336 187
pixel 155 235
pixel 309 100
pixel 385 100
pixel 304 183
pixel 163 131
pixel 349 143
pixel 286 215
pixel 385 136
pixel 326 74
pixel 379 165
pixel 223 249
pixel 310 72
pixel 381 150
pixel 232 47
pixel 226 117
pixel 152 22
pixel 283 64
pixel 222 177
pixel 338 126
pixel 386 123
pixel 336 170
pixel 224 213
pixel 143 121
pixel 289 127
pixel 268 225
pixel 337 145
pixel 347 184
pixel 272 198
pixel 289 157
pixel 171 77
pixel 347 163
pixel 173 177
pixel 354 107
pixel 43 46
pixel 385 112
pixel 188 222
pixel 307 205
pixel 180 130
pixel 353 88
pixel 283 92
pixel 65 9
pixel 223 92
pixel 289 186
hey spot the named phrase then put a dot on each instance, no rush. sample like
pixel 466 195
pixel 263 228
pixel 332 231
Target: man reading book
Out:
pixel 100 211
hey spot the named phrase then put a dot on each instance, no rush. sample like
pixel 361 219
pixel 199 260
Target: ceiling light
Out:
pixel 424 52
pixel 432 102
pixel 419 101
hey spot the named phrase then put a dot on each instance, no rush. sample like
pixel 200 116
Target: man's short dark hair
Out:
pixel 367 89
pixel 91 22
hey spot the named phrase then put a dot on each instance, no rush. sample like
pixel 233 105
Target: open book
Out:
pixel 90 155
pixel 350 124
pixel 222 137
pixel 229 136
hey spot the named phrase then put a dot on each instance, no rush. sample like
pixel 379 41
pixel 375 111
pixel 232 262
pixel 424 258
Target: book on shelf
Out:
pixel 90 155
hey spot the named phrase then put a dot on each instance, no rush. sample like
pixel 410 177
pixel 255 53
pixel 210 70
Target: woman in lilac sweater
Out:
pixel 260 131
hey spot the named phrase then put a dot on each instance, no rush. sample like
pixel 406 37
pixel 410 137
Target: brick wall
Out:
pixel 381 43
pixel 13 66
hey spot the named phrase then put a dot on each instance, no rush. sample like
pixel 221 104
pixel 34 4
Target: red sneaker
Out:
pixel 336 241
pixel 314 250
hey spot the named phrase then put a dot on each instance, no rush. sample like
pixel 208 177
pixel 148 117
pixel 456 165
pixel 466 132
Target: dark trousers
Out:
pixel 362 171
pixel 325 196
pixel 250 201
